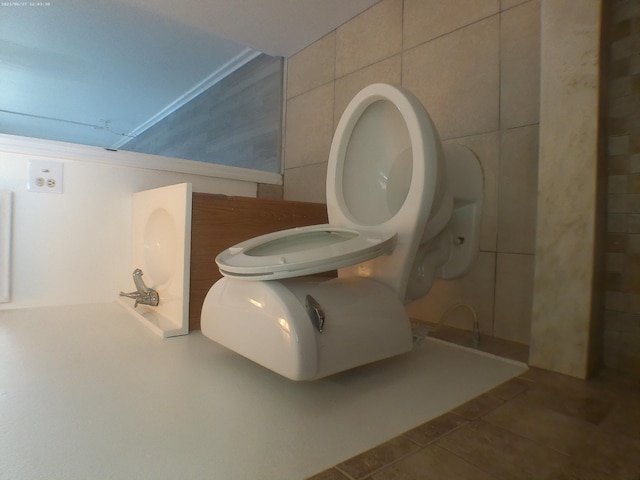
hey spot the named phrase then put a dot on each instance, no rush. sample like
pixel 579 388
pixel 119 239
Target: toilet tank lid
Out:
pixel 302 251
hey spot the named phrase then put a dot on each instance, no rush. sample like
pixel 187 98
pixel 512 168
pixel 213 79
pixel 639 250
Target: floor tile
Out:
pixel 624 417
pixel 478 406
pixel 606 456
pixel 509 389
pixel 502 453
pixel 540 425
pixel 547 427
pixel 576 386
pixel 432 463
pixel 585 403
pixel 432 430
pixel 376 458
pixel 331 474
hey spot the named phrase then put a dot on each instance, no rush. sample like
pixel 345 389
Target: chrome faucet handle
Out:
pixel 131 294
pixel 137 279
pixel 144 294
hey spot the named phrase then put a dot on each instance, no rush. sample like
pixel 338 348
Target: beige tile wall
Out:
pixel 457 77
pixel 475 66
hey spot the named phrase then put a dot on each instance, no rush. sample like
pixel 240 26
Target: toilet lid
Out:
pixel 301 251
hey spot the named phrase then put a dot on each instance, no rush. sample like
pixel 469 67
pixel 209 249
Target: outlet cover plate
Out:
pixel 45 176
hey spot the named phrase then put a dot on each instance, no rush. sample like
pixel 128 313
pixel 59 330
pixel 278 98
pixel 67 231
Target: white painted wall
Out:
pixel 75 248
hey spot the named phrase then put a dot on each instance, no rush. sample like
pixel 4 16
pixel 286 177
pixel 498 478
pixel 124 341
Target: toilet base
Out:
pixel 273 323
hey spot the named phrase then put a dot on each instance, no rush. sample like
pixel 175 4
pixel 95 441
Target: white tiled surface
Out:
pixel 457 79
pixel 301 189
pixel 86 392
pixel 373 35
pixel 517 190
pixel 514 297
pixel 312 67
pixel 428 19
pixel 475 65
pixel 520 65
pixel 309 127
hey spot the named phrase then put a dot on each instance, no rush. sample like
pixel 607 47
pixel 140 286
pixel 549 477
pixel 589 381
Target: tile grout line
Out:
pixel 566 460
pixel 469 462
pixel 402 457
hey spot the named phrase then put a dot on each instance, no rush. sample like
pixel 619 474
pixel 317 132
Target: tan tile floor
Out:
pixel 540 425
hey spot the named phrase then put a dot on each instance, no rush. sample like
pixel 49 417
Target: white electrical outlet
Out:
pixel 45 176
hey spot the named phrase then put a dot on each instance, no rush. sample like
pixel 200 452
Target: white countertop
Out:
pixel 88 392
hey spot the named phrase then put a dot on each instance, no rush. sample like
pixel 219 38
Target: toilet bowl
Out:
pixel 402 211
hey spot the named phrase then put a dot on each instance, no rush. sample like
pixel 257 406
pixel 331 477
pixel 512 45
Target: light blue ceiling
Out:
pixel 94 71
pixel 86 72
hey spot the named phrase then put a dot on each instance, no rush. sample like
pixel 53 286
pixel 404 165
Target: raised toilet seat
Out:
pixel 394 224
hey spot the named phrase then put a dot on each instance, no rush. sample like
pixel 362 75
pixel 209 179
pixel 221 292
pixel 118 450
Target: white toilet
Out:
pixel 402 211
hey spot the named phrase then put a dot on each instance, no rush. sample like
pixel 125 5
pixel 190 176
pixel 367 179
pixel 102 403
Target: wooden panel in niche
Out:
pixel 219 222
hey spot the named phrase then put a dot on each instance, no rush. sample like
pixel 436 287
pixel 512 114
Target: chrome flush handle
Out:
pixel 316 313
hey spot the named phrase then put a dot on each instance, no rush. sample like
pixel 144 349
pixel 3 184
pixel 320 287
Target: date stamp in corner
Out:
pixel 18 4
